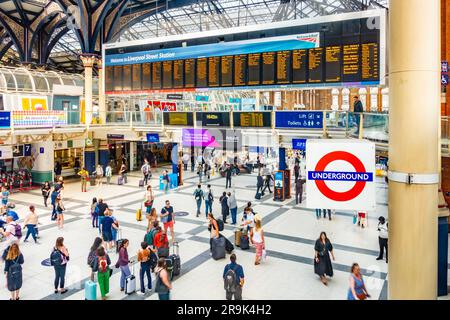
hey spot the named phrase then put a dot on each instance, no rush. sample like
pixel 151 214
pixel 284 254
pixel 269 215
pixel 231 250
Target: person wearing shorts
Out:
pixel 106 226
pixel 168 219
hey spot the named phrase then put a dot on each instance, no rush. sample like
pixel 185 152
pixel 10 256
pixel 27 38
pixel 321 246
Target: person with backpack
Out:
pixel 161 242
pixel 58 259
pixel 101 207
pixel 98 242
pixel 150 235
pixel 232 204
pixel 13 270
pixel 146 171
pixel 31 222
pixel 225 208
pixel 199 196
pixel 45 190
pixel 108 173
pixel 94 213
pixel 163 285
pixel 123 263
pixel 59 212
pixel 166 181
pixel 147 257
pixel 168 219
pixel 12 231
pixel 101 265
pixel 233 277
pixel 209 199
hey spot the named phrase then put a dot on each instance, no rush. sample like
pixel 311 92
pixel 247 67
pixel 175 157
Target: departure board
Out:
pixel 146 76
pixel 178 119
pixel 202 71
pixel 109 78
pixel 178 74
pixel 240 67
pixel 252 119
pixel 333 63
pixel 136 79
pixel 370 70
pixel 315 65
pixel 254 69
pixel 268 68
pixel 283 67
pixel 351 71
pixel 126 80
pixel 167 74
pixel 213 71
pixel 189 73
pixel 226 71
pixel 156 75
pixel 299 66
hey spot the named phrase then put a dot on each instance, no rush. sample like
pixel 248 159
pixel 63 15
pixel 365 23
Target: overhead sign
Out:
pixel 175 96
pixel 110 136
pixel 299 119
pixel 5 119
pixel 252 119
pixel 299 144
pixel 340 174
pixel 153 137
pixel 18 151
pixel 27 150
pixel 214 119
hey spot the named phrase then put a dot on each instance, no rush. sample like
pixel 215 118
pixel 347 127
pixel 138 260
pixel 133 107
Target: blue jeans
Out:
pixel 100 220
pixel 31 229
pixel 164 296
pixel 145 270
pixel 60 274
pixel 148 209
pixel 124 273
pixel 208 205
pixel 233 215
pixel 318 213
pixel 199 205
pixel 95 220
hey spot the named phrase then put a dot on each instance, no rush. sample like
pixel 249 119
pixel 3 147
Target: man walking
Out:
pixel 357 109
pixel 296 170
pixel 232 204
pixel 185 161
pixel 199 196
pixel 259 184
pixel 145 169
pixel 209 199
pixel 228 173
pixel 267 180
pixel 233 278
pixel 299 190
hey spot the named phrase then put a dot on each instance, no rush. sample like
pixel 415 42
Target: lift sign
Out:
pixel 341 176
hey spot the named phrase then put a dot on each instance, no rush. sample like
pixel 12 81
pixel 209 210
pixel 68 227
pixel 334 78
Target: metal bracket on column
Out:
pixel 414 178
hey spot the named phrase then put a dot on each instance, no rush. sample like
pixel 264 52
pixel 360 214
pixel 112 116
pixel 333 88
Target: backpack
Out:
pixel 17 231
pixel 153 260
pixel 220 224
pixel 230 281
pixel 55 258
pixel 91 258
pixel 210 197
pixel 15 270
pixel 102 264
pixel 149 237
pixel 198 194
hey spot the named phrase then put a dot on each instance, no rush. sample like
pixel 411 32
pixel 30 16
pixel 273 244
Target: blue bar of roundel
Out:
pixel 369 174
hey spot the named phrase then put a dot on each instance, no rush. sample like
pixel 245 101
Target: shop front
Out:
pixel 70 156
pixel 15 166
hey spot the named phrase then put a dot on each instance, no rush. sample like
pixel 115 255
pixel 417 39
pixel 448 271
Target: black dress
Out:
pixel 14 277
pixel 323 267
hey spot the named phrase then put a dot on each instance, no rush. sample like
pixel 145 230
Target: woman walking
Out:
pixel 123 262
pixel 149 198
pixel 93 254
pixel 108 173
pixel 59 212
pixel 102 263
pixel 99 175
pixel 59 259
pixel 322 262
pixel 213 228
pixel 94 213
pixel 31 222
pixel 258 241
pixel 163 285
pixel 13 270
pixel 46 191
pixel 357 289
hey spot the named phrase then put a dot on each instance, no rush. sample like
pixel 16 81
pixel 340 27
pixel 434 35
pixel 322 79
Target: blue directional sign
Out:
pixel 202 98
pixel 299 119
pixel 5 119
pixel 299 144
pixel 444 79
pixel 153 137
pixel 27 150
pixel 41 150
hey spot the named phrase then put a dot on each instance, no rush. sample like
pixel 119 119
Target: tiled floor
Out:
pixel 290 235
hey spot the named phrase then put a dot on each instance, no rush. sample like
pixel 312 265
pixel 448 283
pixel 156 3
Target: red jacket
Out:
pixel 160 240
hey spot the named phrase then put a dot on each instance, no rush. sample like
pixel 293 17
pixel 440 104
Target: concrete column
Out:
pixel 101 92
pixel 88 63
pixel 44 163
pixel 415 102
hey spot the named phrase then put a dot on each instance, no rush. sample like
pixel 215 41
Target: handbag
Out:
pixel 148 203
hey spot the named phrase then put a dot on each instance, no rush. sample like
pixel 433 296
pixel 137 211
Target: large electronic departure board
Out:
pixel 213 71
pixel 202 73
pixel 369 62
pixel 333 63
pixel 268 68
pixel 136 79
pixel 315 65
pixel 226 71
pixel 178 119
pixel 351 69
pixel 299 66
pixel 178 74
pixel 167 74
pixel 189 73
pixel 146 76
pixel 284 67
pixel 109 79
pixel 254 69
pixel 240 67
pixel 252 119
pixel 126 80
pixel 156 75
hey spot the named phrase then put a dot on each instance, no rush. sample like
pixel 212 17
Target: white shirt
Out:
pixel 186 158
pixel 250 218
pixel 383 233
pixel 257 236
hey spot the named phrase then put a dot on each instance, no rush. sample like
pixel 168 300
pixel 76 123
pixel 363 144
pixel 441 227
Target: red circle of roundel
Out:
pixel 334 195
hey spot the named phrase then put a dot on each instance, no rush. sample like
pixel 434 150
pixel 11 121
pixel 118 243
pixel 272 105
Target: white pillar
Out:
pixel 88 63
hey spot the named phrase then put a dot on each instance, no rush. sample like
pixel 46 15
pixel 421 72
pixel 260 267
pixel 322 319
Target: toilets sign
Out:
pixel 340 174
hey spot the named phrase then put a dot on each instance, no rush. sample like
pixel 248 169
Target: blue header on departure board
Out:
pixel 299 119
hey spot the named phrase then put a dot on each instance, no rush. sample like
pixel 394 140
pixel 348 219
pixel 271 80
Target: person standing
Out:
pixel 163 285
pixel 358 108
pixel 5 196
pixel 318 213
pixel 209 199
pixel 146 171
pixel 84 174
pixel 101 206
pixel 225 208
pixel 123 263
pixel 259 184
pixel 149 198
pixel 299 190
pixel 94 213
pixel 192 162
pixel 325 211
pixel 185 161
pixel 296 170
pixel 166 181
pixel 57 170
pixel 45 192
pixel 101 265
pixel 228 174
pixel 59 259
pixel 108 173
pixel 322 262
pixel 232 204
pixel 383 237
pixel 99 175
pixel 98 242
pixel 357 289
pixel 59 212
pixel 13 270
pixel 31 222
pixel 199 196
pixel 213 228
pixel 200 172
pixel 123 171
pixel 233 277
pixel 258 241
pixel 168 219
pixel 144 256
pixel 106 230
pixel 11 231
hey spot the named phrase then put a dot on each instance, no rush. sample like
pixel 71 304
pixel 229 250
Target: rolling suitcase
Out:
pixel 228 245
pixel 139 214
pixel 176 261
pixel 90 290
pixel 245 242
pixel 141 183
pixel 130 283
pixel 258 196
pixel 169 267
pixel 119 240
pixel 218 248
pixel 237 237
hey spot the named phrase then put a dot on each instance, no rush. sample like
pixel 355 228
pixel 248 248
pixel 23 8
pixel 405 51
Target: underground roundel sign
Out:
pixel 340 174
